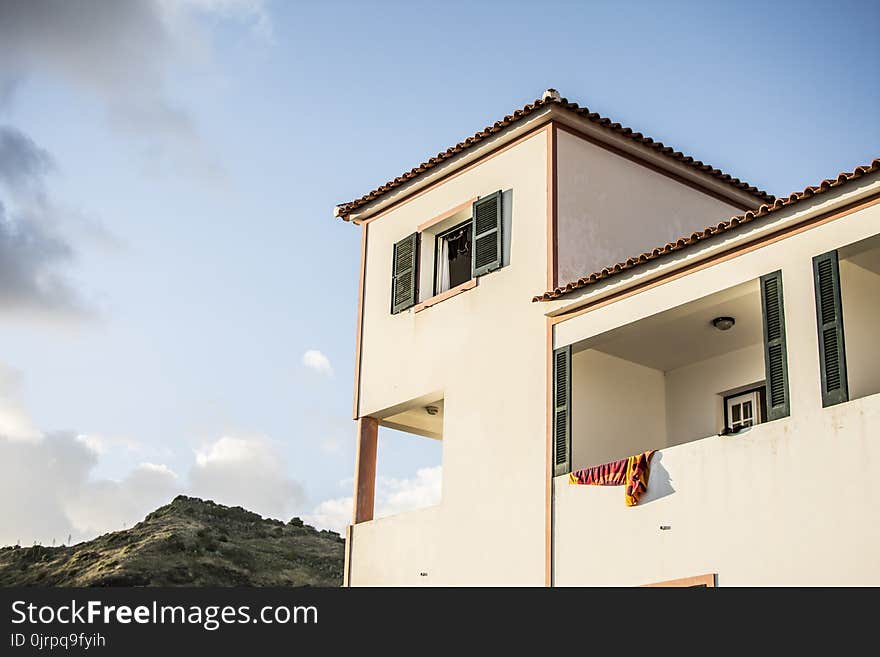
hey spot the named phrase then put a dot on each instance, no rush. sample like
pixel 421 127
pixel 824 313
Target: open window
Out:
pixel 452 257
pixel 447 254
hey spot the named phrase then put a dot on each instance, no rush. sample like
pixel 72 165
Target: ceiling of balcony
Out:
pixel 415 418
pixel 685 334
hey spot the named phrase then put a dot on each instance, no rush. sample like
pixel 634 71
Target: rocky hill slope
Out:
pixel 190 542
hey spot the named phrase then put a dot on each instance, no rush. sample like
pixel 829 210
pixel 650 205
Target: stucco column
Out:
pixel 365 469
pixel 800 336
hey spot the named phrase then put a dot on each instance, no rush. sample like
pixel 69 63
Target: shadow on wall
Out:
pixel 659 481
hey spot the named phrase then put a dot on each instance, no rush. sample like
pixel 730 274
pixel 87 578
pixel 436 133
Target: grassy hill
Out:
pixel 190 542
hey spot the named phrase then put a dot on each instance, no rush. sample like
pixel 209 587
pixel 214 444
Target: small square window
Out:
pixel 744 410
pixel 453 257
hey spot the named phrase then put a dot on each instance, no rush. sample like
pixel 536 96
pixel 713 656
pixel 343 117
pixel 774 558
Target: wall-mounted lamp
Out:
pixel 723 323
pixel 432 410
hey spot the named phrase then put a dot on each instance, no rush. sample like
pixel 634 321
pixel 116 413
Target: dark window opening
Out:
pixel 452 257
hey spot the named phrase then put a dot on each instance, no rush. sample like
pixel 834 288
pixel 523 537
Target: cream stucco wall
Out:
pixel 600 382
pixel 485 352
pixel 784 503
pixel 860 292
pixel 395 550
pixel 694 393
pixel 611 208
pixel 652 408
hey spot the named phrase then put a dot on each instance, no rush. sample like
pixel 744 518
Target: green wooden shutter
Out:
pixel 829 322
pixel 404 279
pixel 562 411
pixel 775 359
pixel 487 234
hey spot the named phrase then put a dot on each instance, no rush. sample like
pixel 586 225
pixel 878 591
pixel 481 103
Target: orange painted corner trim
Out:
pixel 548 460
pixel 448 213
pixel 707 580
pixel 365 470
pixel 552 140
pixel 437 298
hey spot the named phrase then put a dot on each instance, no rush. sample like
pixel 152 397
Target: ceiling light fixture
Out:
pixel 723 323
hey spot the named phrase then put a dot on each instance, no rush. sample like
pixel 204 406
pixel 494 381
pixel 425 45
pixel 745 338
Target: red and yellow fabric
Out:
pixel 607 474
pixel 631 472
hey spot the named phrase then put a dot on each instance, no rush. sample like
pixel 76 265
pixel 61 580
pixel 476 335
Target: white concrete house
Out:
pixel 557 292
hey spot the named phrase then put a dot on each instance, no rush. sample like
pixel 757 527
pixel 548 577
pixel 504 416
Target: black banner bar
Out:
pixel 237 621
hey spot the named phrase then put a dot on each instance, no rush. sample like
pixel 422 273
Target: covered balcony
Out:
pixel 741 488
pixel 681 375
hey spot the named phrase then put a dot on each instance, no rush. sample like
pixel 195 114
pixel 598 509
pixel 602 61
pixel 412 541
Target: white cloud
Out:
pixel 393 496
pixel 47 488
pixel 125 54
pixel 315 360
pixel 105 505
pixel 399 495
pixel 36 479
pixel 15 424
pixel 332 514
pixel 101 444
pixel 48 491
pixel 246 471
pixel 158 469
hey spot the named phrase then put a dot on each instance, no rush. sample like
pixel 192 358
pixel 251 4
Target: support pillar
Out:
pixel 365 469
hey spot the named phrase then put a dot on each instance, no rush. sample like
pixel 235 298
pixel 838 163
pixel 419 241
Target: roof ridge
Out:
pixel 550 97
pixel 710 231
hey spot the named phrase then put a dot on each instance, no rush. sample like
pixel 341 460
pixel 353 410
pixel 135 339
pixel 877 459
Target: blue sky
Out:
pixel 195 151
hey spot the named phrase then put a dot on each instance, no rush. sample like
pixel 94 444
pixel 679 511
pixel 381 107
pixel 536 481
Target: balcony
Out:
pixel 756 509
pixel 669 379
pixel 762 504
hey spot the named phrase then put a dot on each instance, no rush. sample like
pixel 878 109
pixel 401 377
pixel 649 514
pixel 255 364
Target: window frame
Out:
pixel 761 391
pixel 442 235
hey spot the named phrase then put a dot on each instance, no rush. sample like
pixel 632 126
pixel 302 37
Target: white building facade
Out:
pixel 743 349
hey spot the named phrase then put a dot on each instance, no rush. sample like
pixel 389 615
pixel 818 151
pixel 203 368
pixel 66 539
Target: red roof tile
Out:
pixel 550 97
pixel 709 232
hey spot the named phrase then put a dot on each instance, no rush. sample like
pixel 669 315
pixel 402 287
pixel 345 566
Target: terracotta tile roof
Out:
pixel 550 97
pixel 709 232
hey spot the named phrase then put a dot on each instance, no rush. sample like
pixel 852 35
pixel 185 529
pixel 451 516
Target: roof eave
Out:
pixel 360 209
pixel 455 162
